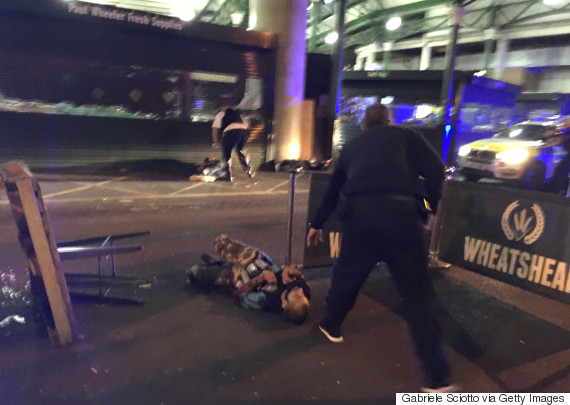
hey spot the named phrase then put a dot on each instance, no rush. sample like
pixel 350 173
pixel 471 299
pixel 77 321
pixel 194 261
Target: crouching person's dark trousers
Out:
pixel 236 138
pixel 376 229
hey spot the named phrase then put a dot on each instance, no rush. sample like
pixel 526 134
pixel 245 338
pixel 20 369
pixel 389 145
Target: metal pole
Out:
pixel 447 90
pixel 433 253
pixel 292 183
pixel 337 66
pixel 490 35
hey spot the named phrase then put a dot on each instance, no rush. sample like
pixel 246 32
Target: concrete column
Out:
pixel 425 57
pixel 360 62
pixel 386 55
pixel 490 35
pixel 501 57
pixel 315 14
pixel 370 59
pixel 288 19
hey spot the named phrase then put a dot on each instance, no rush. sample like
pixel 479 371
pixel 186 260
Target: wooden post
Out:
pixel 38 242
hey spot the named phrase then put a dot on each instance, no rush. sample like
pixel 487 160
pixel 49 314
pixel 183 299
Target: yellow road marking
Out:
pixel 73 190
pixel 170 196
pixel 186 188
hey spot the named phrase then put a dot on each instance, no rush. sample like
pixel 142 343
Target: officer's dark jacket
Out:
pixel 384 159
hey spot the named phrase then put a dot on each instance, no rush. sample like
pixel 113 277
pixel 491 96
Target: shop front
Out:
pixel 80 80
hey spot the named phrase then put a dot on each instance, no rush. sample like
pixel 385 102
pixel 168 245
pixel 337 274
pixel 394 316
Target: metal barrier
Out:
pixel 292 184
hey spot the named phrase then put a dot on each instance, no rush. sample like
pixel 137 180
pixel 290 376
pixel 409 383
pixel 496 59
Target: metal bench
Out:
pixel 84 249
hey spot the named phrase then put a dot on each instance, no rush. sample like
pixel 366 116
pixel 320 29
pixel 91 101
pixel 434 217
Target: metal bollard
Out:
pixel 433 254
pixel 434 241
pixel 292 183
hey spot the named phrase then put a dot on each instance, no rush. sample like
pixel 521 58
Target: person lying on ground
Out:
pixel 253 280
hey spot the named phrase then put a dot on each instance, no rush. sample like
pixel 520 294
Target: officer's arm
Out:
pixel 429 165
pixel 331 196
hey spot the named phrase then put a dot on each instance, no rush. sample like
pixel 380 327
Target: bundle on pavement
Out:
pixel 211 170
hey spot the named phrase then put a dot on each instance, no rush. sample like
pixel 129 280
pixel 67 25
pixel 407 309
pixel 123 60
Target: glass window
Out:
pixel 526 132
pixel 69 86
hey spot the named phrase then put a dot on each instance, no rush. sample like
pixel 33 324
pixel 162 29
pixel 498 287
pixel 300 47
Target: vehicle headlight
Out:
pixel 513 156
pixel 464 150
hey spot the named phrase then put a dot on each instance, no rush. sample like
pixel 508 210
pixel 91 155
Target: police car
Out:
pixel 527 153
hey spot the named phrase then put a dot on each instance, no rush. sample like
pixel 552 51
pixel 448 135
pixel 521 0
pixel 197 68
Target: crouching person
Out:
pixel 250 276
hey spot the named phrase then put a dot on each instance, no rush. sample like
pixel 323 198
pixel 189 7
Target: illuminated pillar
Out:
pixel 288 19
pixel 425 57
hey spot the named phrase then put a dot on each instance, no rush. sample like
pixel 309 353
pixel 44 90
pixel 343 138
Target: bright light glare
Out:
pixel 387 100
pixel 422 111
pixel 328 1
pixel 236 18
pixel 331 38
pixel 464 150
pixel 513 156
pixel 101 2
pixel 186 14
pixel 552 2
pixel 515 132
pixel 184 9
pixel 393 23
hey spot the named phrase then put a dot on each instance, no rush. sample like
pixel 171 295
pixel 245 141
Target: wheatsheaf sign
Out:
pixel 517 236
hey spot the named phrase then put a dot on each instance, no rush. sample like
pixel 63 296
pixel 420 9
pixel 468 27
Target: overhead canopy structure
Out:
pixel 365 21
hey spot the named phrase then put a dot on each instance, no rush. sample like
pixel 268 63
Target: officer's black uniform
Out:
pixel 377 189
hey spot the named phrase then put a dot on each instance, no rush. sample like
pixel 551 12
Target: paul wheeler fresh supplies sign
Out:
pixel 128 16
pixel 516 236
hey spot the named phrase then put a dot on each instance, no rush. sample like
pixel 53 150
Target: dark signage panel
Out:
pixel 517 236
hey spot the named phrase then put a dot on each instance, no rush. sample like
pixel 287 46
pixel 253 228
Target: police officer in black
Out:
pixel 378 186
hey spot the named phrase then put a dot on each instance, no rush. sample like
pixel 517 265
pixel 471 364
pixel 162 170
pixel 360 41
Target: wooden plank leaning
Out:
pixel 39 245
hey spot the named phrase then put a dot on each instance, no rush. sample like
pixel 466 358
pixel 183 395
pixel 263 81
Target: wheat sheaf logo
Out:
pixel 526 224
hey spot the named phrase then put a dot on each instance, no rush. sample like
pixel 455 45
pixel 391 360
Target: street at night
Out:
pixel 185 346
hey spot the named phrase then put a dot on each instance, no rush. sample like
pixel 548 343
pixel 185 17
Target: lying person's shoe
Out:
pixel 211 260
pixel 191 274
pixel 331 332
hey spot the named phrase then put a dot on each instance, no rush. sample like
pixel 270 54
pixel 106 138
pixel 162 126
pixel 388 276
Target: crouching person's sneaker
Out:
pixel 441 389
pixel 331 332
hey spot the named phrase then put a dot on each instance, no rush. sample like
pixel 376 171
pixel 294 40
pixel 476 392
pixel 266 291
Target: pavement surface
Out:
pixel 184 346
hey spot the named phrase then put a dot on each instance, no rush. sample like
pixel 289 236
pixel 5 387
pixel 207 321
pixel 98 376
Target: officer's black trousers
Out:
pixel 388 228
